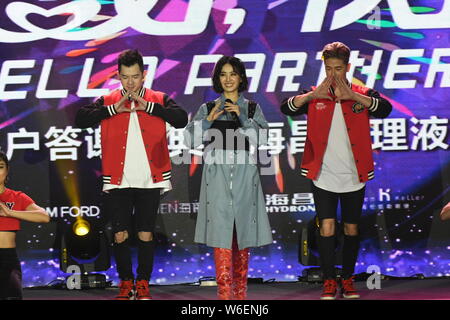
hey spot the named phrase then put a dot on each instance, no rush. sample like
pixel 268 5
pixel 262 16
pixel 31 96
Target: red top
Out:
pixel 14 200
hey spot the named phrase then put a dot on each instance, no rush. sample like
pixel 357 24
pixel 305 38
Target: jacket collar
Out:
pixel 239 100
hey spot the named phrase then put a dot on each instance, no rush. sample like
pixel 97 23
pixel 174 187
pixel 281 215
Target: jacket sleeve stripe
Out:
pixel 150 106
pixel 291 105
pixel 374 105
pixel 111 110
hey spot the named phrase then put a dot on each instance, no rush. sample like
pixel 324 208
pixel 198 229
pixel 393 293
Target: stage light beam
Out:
pixel 81 227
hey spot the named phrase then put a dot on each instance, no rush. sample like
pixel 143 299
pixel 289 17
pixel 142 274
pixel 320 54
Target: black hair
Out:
pixel 4 158
pixel 130 57
pixel 336 50
pixel 238 67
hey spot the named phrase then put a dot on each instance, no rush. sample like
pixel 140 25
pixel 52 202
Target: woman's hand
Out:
pixel 214 114
pixel 4 210
pixel 229 107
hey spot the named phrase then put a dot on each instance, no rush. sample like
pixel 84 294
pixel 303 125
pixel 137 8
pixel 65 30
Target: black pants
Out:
pixel 10 275
pixel 143 204
pixel 326 203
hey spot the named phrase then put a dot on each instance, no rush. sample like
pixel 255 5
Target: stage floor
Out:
pixel 426 289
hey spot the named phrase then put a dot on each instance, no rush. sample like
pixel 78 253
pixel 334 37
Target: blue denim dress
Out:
pixel 230 192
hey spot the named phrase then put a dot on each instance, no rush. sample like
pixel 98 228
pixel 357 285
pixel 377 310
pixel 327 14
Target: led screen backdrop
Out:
pixel 59 55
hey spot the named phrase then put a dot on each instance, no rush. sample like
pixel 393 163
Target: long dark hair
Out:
pixel 4 158
pixel 238 67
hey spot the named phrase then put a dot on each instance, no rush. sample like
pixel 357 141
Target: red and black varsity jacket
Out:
pixel 320 114
pixel 114 131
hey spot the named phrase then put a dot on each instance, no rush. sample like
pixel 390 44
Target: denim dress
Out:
pixel 230 193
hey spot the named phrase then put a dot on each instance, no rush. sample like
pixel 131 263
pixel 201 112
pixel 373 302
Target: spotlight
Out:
pixel 308 253
pixel 85 248
pixel 81 227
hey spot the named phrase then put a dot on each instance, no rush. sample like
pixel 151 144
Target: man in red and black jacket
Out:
pixel 135 164
pixel 338 158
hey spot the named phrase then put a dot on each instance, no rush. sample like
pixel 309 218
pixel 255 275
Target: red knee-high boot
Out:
pixel 240 272
pixel 222 260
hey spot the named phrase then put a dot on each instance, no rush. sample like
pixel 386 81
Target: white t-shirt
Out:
pixel 136 171
pixel 338 172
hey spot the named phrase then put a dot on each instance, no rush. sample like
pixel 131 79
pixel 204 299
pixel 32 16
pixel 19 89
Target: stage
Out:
pixel 426 289
pixel 59 57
